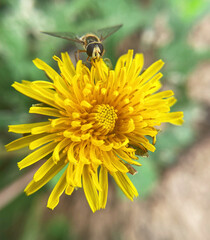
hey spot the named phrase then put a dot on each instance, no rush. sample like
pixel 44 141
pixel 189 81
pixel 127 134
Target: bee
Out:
pixel 91 42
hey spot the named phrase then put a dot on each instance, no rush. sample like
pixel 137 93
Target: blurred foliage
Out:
pixel 20 42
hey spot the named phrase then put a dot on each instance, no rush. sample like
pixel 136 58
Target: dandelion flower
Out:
pixel 97 119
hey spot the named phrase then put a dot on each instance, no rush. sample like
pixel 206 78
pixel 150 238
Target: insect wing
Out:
pixel 65 35
pixel 106 32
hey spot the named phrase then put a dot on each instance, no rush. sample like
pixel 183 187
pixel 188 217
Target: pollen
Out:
pixel 105 117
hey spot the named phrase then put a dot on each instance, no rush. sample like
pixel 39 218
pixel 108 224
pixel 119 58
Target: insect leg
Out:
pixel 76 54
pixel 88 59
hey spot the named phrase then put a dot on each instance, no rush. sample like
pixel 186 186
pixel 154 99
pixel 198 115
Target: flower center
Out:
pixel 105 117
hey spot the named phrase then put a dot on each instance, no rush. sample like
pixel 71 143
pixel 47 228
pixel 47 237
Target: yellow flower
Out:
pixel 98 119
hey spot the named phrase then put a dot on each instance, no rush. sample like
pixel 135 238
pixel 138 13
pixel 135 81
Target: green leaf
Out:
pixel 146 177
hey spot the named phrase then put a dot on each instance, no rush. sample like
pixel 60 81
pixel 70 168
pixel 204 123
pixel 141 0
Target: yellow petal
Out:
pixel 164 94
pixel 85 136
pixel 107 162
pixel 120 63
pixel 119 141
pixel 171 117
pixel 70 175
pixel 69 190
pixel 82 154
pixel 78 174
pixel 171 101
pixel 136 140
pixel 40 94
pixel 151 71
pixel 93 156
pixel 41 129
pixel 56 192
pixel 64 69
pixel 44 84
pixel 47 167
pixel 36 155
pixel 71 153
pixel 103 181
pixel 86 104
pixel 76 124
pixel 177 122
pixel 120 166
pixel 22 142
pixel 124 156
pixel 62 87
pixel 25 128
pixel 127 127
pixel 43 176
pixel 139 58
pixel 75 87
pixel 72 136
pixel 97 142
pixel 90 190
pixel 43 139
pixel 125 185
pixel 151 83
pixel 60 146
pixel 45 67
pixel 60 122
pixel 45 111
pixel 87 126
pixel 105 147
pixel 68 63
pixel 94 175
pixel 40 173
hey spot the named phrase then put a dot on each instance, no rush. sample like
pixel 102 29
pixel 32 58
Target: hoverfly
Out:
pixel 91 42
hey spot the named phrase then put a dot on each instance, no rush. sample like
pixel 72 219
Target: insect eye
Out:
pixel 101 48
pixel 90 48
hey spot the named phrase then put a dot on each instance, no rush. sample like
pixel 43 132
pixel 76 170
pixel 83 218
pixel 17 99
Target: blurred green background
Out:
pixel 167 29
